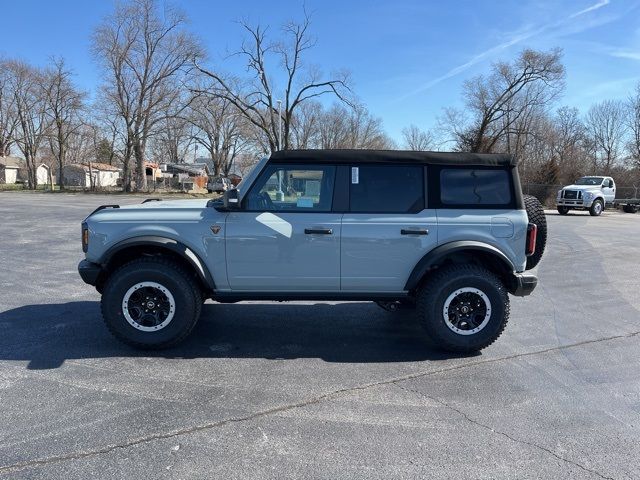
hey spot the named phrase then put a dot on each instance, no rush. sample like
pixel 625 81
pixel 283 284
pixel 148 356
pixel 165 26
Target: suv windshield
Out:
pixel 589 181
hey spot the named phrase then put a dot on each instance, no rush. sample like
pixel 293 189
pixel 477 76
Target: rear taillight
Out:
pixel 85 238
pixel 532 233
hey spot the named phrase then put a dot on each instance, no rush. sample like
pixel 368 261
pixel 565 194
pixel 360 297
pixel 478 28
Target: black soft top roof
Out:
pixel 390 156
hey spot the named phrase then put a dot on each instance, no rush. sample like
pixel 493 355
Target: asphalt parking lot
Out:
pixel 312 390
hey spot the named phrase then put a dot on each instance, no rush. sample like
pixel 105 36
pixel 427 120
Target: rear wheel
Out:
pixel 535 212
pixel 463 308
pixel 597 207
pixel 563 210
pixel 151 303
pixel 629 208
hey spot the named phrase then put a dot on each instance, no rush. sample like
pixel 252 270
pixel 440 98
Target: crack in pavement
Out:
pixel 304 403
pixel 499 432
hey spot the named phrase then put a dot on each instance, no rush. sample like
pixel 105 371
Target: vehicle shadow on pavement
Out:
pixel 47 335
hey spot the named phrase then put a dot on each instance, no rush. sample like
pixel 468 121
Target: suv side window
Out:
pixel 293 188
pixel 475 187
pixel 387 189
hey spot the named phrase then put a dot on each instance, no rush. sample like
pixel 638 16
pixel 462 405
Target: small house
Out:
pixel 9 167
pixel 89 175
pixel 190 177
pixel 43 174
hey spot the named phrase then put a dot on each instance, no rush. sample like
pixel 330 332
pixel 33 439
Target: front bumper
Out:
pixel 523 284
pixel 89 272
pixel 574 203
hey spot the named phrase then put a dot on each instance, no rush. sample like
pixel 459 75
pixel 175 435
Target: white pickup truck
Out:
pixel 587 193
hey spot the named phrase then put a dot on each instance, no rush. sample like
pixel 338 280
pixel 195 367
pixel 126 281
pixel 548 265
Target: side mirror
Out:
pixel 231 199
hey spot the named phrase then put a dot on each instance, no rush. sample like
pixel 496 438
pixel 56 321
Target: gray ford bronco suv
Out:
pixel 449 235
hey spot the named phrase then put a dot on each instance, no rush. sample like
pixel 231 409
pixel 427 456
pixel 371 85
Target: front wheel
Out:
pixel 151 303
pixel 463 308
pixel 563 210
pixel 597 208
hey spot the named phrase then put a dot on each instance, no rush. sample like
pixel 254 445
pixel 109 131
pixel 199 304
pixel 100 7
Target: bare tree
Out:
pixel 64 108
pixel 341 127
pixel 170 143
pixel 569 142
pixel 633 124
pixel 416 139
pixel 8 114
pixel 143 50
pixel 26 84
pixel 496 102
pixel 304 125
pixel 220 128
pixel 257 99
pixel 606 125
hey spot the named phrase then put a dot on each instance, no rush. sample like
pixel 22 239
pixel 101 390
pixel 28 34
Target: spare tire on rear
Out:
pixel 535 212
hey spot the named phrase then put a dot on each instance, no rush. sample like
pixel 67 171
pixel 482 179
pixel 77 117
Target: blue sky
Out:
pixel 408 59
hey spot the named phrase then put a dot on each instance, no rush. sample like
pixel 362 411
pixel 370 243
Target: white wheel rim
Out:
pixel 598 207
pixel 134 313
pixel 452 308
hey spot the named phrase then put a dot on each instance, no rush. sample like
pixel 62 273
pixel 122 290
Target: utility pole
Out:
pixel 279 124
pixel 279 193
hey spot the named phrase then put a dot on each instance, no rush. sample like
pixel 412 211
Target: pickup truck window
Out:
pixel 293 188
pixel 589 181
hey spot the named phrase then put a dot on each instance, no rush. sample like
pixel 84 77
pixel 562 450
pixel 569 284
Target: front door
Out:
pixel 286 237
pixel 609 190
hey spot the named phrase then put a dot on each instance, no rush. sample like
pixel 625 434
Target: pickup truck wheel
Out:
pixel 535 212
pixel 597 207
pixel 151 303
pixel 464 308
pixel 563 210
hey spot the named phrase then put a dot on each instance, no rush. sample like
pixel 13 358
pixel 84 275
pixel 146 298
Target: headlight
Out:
pixel 559 193
pixel 588 195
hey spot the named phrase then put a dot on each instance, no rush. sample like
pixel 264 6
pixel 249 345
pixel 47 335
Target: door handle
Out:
pixel 318 231
pixel 418 231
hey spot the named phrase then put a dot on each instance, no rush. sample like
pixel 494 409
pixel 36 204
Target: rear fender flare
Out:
pixel 435 256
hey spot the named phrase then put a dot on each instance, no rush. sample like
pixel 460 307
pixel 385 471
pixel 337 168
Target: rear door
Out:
pixel 387 228
pixel 286 237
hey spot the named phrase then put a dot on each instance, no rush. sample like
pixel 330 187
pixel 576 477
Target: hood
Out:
pixel 583 188
pixel 190 203
pixel 153 211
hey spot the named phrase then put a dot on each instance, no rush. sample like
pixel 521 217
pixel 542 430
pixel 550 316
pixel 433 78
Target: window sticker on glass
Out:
pixel 355 175
pixel 304 202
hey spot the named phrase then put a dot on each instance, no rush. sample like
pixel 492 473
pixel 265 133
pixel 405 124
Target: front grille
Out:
pixel 572 194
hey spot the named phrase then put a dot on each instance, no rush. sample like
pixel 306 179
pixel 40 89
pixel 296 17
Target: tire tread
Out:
pixel 178 270
pixel 427 297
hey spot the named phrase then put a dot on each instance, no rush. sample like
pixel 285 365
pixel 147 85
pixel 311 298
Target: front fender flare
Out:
pixel 163 242
pixel 437 254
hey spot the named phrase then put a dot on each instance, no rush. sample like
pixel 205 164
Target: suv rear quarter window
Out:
pixel 475 187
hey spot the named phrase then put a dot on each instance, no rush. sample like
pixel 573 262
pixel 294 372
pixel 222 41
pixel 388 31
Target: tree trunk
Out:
pixel 61 155
pixel 141 177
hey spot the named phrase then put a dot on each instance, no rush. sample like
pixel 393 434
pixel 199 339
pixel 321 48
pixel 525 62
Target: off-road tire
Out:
pixel 446 280
pixel 173 277
pixel 535 212
pixel 594 211
pixel 563 210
